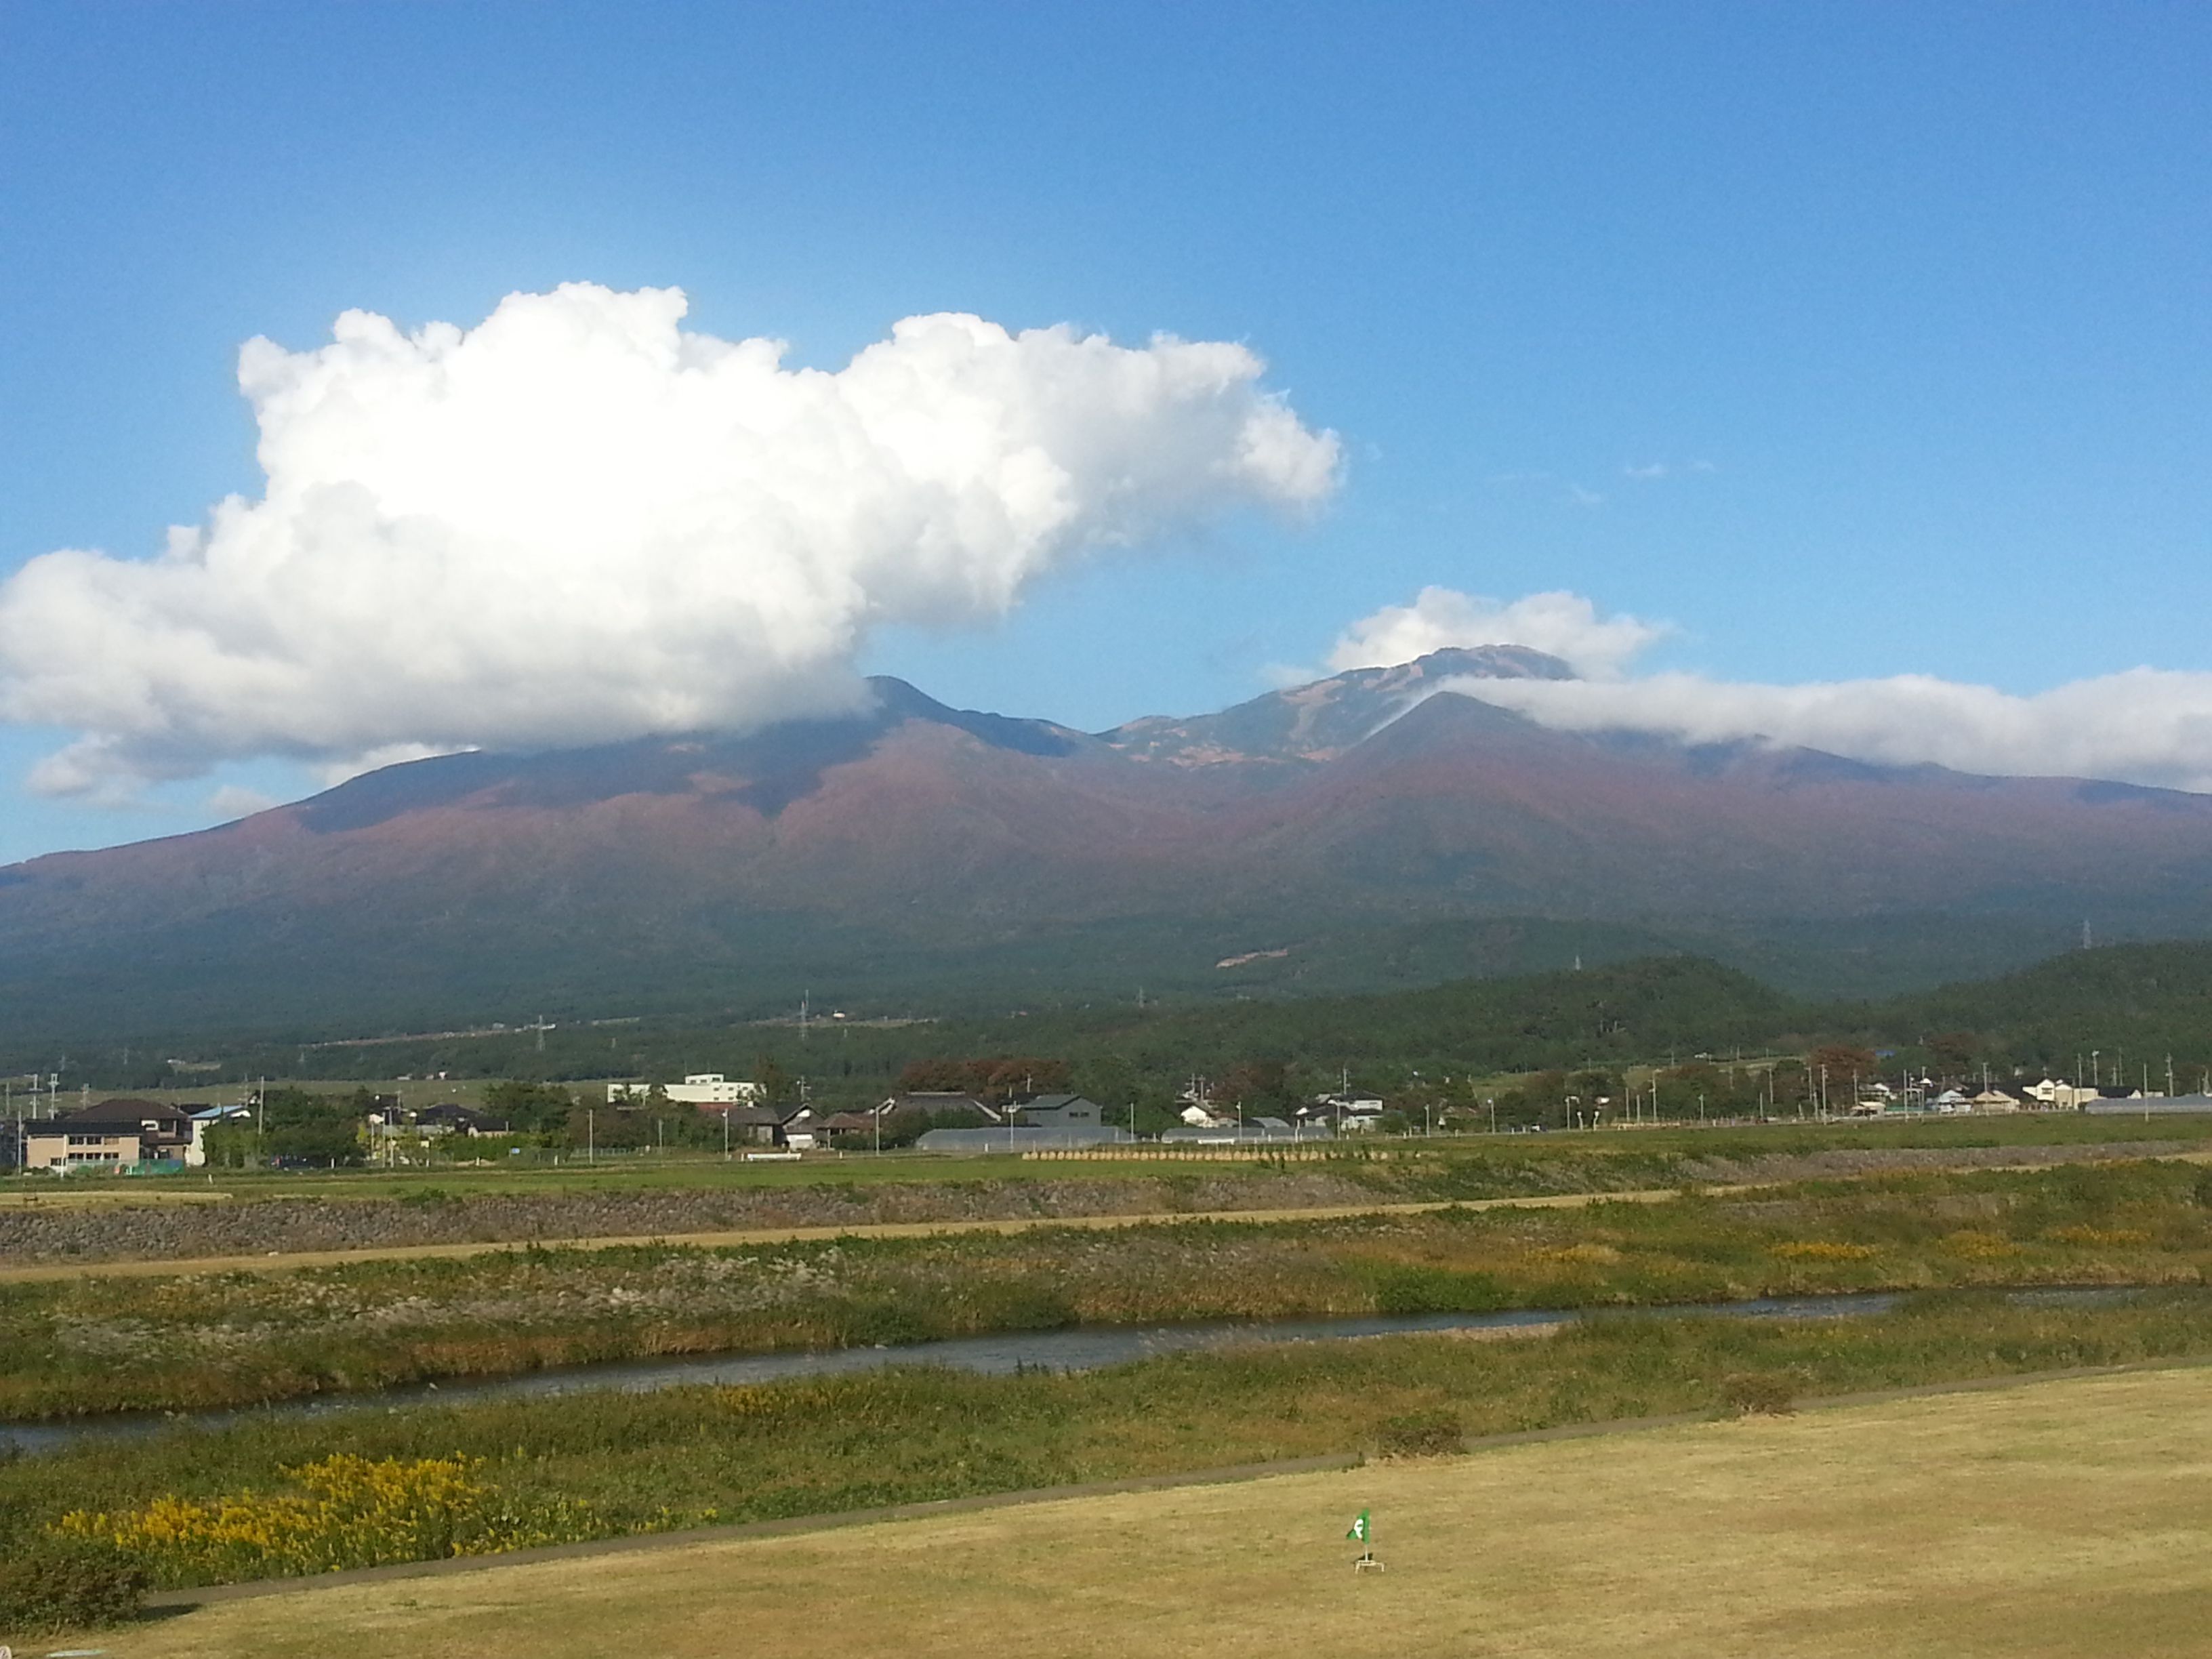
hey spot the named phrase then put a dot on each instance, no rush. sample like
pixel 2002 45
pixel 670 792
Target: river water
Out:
pixel 1074 1349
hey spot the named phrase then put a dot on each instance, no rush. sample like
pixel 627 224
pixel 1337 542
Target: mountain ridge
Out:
pixel 1373 828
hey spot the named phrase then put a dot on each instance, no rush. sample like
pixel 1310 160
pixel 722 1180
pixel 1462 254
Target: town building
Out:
pixel 755 1126
pixel 212 1117
pixel 1057 1112
pixel 1349 1112
pixel 698 1089
pixel 2061 1096
pixel 948 1108
pixel 1019 1137
pixel 2150 1105
pixel 450 1117
pixel 112 1135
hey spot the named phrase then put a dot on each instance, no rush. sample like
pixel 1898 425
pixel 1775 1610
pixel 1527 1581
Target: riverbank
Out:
pixel 492 1476
pixel 51 1224
pixel 2050 1521
pixel 113 1343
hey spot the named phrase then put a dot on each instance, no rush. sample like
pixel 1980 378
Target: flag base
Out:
pixel 1367 1563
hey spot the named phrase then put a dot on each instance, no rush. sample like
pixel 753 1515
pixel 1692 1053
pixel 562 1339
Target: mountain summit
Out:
pixel 1365 829
pixel 1320 721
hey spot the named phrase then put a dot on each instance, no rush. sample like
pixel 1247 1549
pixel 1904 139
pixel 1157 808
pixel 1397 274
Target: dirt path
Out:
pixel 285 1261
pixel 1763 1176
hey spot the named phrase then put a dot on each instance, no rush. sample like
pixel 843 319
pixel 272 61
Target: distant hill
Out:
pixel 1357 834
pixel 2132 1006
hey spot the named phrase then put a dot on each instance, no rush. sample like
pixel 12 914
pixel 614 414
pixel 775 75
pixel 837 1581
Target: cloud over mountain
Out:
pixel 1565 625
pixel 578 521
pixel 2143 725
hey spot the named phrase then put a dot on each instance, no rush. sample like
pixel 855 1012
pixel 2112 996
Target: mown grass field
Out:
pixel 2055 1521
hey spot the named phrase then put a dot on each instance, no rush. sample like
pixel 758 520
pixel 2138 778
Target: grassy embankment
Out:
pixel 2056 1521
pixel 211 1507
pixel 113 1343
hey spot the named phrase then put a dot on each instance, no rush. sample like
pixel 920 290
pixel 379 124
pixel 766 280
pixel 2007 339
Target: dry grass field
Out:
pixel 2067 1518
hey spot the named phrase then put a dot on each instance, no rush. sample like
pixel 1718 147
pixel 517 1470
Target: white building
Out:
pixel 698 1089
pixel 2061 1096
pixel 1351 1113
pixel 213 1117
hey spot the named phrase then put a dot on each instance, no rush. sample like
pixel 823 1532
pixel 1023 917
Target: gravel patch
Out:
pixel 258 1226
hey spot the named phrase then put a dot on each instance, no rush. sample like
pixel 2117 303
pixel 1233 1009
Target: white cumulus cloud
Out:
pixel 578 521
pixel 2142 726
pixel 1564 625
pixel 235 800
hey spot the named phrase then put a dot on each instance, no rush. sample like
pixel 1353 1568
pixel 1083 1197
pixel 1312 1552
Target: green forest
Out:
pixel 1525 1045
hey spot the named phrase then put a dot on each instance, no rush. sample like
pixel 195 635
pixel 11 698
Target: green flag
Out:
pixel 1358 1533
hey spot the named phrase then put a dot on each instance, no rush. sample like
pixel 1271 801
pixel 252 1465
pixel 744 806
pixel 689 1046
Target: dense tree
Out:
pixel 1261 1087
pixel 529 1109
pixel 777 1086
pixel 1843 1066
pixel 1953 1054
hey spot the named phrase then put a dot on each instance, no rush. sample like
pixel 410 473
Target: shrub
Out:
pixel 2113 1238
pixel 52 1583
pixel 1821 1250
pixel 1436 1289
pixel 1026 1305
pixel 1581 1255
pixel 354 1512
pixel 1421 1434
pixel 1763 1394
pixel 881 1322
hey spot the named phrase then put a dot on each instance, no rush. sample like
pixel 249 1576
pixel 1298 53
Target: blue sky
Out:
pixel 1849 342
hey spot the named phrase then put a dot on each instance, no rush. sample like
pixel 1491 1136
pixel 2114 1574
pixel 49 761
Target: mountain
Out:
pixel 1362 831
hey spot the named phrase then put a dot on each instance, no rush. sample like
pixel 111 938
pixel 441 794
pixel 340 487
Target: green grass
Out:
pixel 615 1463
pixel 1440 1166
pixel 110 1343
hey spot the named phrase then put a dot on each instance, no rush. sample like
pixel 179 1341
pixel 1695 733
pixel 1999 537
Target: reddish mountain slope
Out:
pixel 923 854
